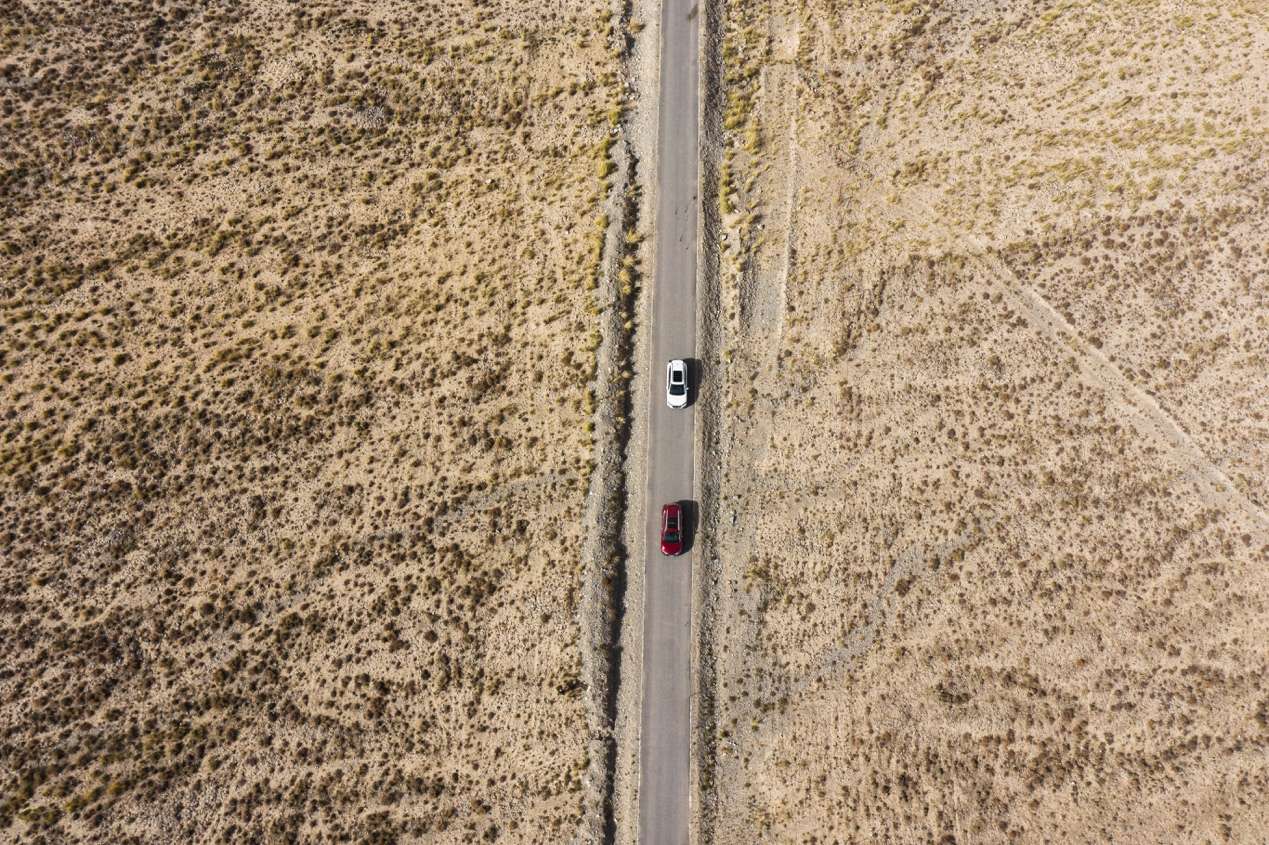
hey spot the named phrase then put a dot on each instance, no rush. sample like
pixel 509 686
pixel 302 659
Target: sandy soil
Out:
pixel 296 339
pixel 995 444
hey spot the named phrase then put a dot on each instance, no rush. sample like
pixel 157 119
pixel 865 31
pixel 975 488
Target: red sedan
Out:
pixel 671 529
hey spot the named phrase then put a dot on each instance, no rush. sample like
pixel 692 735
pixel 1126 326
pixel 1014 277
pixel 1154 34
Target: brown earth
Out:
pixel 296 339
pixel 994 428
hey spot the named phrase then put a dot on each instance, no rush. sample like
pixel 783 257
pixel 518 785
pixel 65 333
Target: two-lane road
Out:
pixel 664 784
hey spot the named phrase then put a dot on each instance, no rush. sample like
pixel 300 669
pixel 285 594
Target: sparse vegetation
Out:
pixel 992 306
pixel 289 515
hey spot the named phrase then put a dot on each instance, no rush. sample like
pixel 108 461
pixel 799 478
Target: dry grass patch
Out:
pixel 295 339
pixel 993 301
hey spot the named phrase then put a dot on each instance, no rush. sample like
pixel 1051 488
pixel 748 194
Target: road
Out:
pixel 664 785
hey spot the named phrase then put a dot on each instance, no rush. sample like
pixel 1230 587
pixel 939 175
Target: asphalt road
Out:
pixel 664 787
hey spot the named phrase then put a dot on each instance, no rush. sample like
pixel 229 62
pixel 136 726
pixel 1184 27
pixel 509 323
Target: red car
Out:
pixel 671 529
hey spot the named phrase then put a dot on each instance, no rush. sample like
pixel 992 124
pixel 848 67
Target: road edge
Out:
pixel 708 467
pixel 640 123
pixel 605 553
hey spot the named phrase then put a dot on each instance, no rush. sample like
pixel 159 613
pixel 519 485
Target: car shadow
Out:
pixel 695 376
pixel 691 518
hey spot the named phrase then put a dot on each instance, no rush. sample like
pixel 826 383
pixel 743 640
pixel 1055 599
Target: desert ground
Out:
pixel 297 345
pixel 993 408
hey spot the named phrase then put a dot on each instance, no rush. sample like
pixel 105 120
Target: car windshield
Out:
pixel 671 537
pixel 676 389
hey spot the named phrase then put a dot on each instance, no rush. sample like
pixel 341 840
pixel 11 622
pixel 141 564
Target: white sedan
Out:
pixel 676 384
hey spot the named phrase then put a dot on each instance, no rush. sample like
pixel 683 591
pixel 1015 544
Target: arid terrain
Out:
pixel 315 327
pixel 297 338
pixel 990 557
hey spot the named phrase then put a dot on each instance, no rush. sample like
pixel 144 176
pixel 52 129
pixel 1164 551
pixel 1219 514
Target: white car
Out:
pixel 676 384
